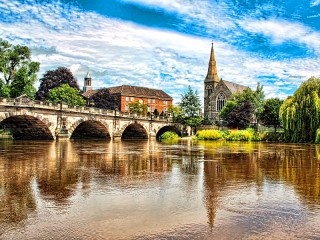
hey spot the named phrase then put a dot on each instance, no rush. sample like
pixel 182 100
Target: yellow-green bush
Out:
pixel 209 135
pixel 317 140
pixel 169 136
pixel 240 135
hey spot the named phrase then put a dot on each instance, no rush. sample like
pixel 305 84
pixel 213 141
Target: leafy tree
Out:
pixel 240 117
pixel 53 79
pixel 190 103
pixel 254 100
pixel 66 94
pixel 300 114
pixel 174 111
pixel 155 112
pixel 270 113
pixel 17 71
pixel 138 108
pixel 190 109
pixel 104 99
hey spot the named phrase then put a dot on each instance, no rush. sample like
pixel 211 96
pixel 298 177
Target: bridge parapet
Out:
pixel 28 103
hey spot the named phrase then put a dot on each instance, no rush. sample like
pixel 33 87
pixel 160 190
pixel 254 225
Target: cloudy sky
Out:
pixel 166 44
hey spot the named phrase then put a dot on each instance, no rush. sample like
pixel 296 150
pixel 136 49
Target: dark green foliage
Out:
pixel 155 113
pixel 66 94
pixel 53 79
pixel 270 113
pixel 17 70
pixel 300 114
pixel 104 99
pixel 240 116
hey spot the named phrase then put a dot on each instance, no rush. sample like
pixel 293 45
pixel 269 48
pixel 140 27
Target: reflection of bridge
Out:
pixel 28 119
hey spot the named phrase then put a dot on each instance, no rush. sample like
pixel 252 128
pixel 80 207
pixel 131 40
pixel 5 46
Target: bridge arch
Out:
pixel 134 130
pixel 28 126
pixel 89 129
pixel 168 128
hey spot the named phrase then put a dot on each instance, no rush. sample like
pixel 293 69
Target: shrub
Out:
pixel 209 135
pixel 169 136
pixel 240 135
pixel 272 136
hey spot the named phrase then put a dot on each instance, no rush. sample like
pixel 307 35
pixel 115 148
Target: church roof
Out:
pixel 126 90
pixel 234 87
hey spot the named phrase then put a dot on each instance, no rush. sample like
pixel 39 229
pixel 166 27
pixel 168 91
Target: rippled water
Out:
pixel 151 190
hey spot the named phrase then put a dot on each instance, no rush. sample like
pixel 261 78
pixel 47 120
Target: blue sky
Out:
pixel 166 43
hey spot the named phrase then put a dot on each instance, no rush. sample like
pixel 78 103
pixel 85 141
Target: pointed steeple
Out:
pixel 212 75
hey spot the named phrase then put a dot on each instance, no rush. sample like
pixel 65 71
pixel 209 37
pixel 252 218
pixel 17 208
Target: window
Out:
pixel 127 107
pixel 209 90
pixel 165 110
pixel 221 101
pixel 153 101
pixel 127 99
pixel 132 99
pixel 165 102
pixel 149 100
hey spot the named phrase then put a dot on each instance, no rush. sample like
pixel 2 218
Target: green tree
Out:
pixel 138 108
pixel 190 103
pixel 66 94
pixel 253 100
pixel 174 111
pixel 17 71
pixel 53 79
pixel 300 114
pixel 190 109
pixel 270 113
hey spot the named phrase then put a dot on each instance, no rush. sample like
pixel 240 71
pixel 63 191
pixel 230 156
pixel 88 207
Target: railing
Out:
pixel 77 109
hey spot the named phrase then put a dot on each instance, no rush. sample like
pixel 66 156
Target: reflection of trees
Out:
pixel 297 165
pixel 231 165
pixel 17 171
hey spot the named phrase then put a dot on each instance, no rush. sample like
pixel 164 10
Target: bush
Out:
pixel 209 135
pixel 240 135
pixel 169 136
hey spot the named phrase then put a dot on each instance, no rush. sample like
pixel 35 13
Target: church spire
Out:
pixel 212 75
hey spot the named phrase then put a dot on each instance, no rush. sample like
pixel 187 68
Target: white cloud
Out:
pixel 117 52
pixel 315 3
pixel 281 31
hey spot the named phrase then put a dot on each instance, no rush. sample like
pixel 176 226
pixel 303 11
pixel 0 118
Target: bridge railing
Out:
pixel 26 102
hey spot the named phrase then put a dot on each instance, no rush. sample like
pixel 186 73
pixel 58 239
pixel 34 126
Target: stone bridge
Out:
pixel 27 119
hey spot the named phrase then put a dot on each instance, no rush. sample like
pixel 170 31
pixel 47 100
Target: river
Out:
pixel 150 190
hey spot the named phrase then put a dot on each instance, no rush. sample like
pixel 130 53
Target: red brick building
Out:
pixel 153 98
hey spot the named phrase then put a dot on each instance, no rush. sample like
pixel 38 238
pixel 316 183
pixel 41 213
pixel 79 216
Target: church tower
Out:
pixel 210 82
pixel 87 83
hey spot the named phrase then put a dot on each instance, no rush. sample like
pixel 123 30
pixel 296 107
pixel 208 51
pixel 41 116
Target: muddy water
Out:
pixel 151 190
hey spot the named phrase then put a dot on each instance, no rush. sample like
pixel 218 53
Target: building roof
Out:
pixel 234 87
pixel 89 93
pixel 134 91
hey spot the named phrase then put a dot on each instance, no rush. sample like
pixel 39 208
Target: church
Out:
pixel 217 91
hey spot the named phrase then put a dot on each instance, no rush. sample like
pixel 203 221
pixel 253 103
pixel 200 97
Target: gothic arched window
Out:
pixel 209 90
pixel 221 101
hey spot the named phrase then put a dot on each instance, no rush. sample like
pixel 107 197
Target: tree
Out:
pixel 174 111
pixel 138 108
pixel 252 99
pixel 66 94
pixel 104 99
pixel 190 109
pixel 270 113
pixel 300 114
pixel 240 117
pixel 190 103
pixel 53 79
pixel 17 70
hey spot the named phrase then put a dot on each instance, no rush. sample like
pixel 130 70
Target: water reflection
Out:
pixel 180 185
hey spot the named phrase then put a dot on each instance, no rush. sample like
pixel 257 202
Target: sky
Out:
pixel 165 44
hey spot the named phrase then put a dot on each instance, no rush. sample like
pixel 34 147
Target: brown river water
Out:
pixel 152 190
